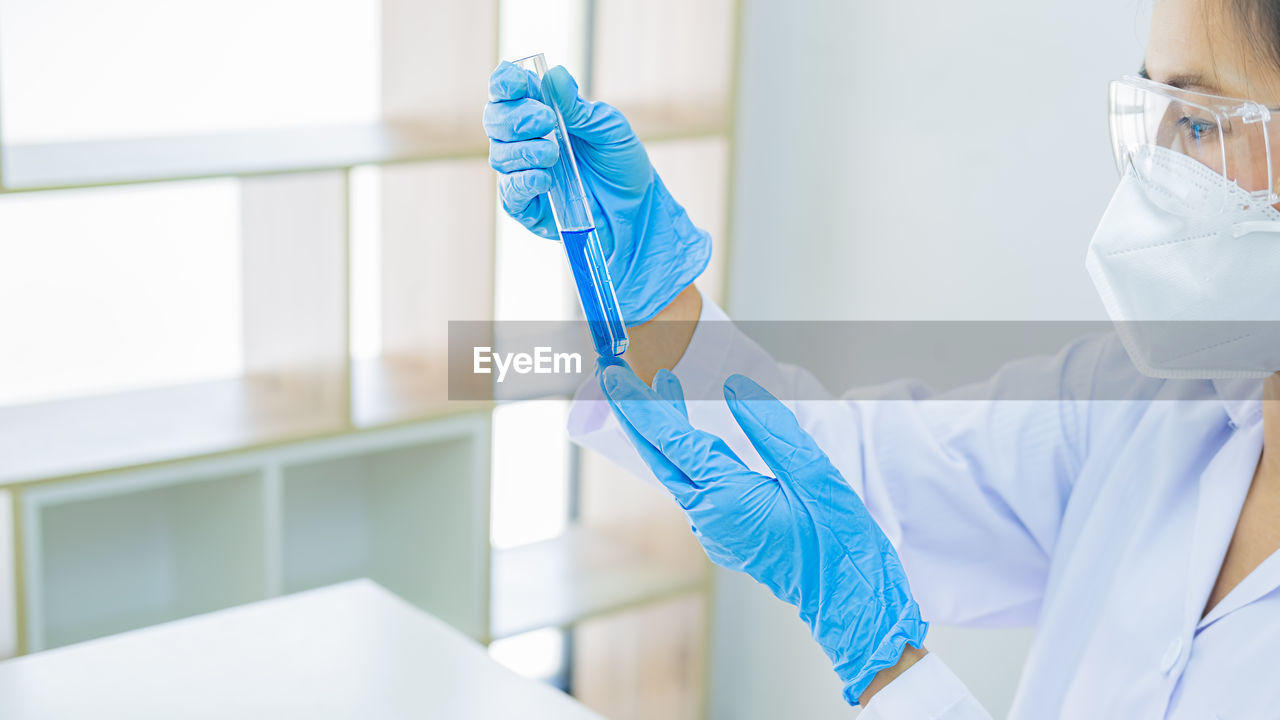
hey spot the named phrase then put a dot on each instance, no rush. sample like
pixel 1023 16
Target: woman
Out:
pixel 1139 537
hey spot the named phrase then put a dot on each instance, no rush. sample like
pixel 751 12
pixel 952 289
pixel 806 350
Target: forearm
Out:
pixel 661 342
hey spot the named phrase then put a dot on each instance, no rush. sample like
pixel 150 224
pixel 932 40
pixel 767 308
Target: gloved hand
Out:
pixel 805 533
pixel 653 249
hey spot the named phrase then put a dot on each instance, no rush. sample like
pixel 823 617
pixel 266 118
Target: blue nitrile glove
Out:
pixel 654 250
pixel 805 534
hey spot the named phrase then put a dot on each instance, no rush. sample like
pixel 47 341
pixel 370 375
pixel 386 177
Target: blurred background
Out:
pixel 232 234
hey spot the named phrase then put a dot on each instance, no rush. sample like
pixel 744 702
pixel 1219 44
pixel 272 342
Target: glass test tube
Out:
pixel 572 213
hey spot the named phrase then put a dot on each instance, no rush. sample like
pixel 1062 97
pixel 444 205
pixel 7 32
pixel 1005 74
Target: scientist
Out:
pixel 1139 537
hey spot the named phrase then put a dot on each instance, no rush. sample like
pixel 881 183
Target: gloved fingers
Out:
pixel 514 120
pixel 702 456
pixel 773 429
pixel 668 388
pixel 594 122
pixel 518 188
pixel 676 482
pixel 563 92
pixel 667 385
pixel 509 81
pixel 536 215
pixel 508 157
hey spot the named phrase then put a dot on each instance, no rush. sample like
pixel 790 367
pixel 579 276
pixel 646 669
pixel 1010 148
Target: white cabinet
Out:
pixel 135 551
pixel 406 506
pixel 414 518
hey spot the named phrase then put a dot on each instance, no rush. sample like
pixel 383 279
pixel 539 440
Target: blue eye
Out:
pixel 1197 129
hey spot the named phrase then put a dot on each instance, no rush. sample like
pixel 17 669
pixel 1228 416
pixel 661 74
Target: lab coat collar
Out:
pixel 1242 399
pixel 1222 489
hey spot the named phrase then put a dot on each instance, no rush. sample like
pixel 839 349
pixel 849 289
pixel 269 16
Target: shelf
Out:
pixel 80 436
pixel 65 438
pixel 263 152
pixel 582 574
pixel 406 506
pixel 409 518
pixel 118 562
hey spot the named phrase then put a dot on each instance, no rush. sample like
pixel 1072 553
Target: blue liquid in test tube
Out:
pixel 573 218
pixel 599 303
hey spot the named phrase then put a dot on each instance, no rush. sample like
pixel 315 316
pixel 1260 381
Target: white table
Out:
pixel 348 651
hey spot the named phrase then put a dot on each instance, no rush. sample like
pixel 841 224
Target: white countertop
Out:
pixel 348 651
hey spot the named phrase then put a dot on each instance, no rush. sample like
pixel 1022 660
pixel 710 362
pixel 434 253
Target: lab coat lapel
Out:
pixel 1222 489
pixel 1261 582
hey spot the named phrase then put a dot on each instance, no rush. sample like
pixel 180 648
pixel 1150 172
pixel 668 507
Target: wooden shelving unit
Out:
pixel 144 506
pixel 582 574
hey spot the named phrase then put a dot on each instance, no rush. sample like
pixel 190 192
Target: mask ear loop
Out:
pixel 1240 229
pixel 1127 165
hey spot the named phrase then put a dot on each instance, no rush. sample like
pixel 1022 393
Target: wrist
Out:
pixel 661 342
pixel 910 656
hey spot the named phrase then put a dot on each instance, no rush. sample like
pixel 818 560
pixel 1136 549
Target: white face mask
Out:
pixel 1191 297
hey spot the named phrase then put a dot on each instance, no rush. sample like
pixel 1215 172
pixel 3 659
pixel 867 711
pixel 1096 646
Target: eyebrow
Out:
pixel 1183 81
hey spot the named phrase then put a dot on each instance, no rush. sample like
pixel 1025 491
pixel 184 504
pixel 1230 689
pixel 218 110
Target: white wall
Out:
pixel 910 160
pixel 927 159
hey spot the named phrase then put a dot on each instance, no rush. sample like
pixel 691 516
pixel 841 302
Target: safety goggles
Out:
pixel 1229 139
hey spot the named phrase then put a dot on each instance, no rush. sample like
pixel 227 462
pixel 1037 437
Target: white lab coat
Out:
pixel 1101 523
